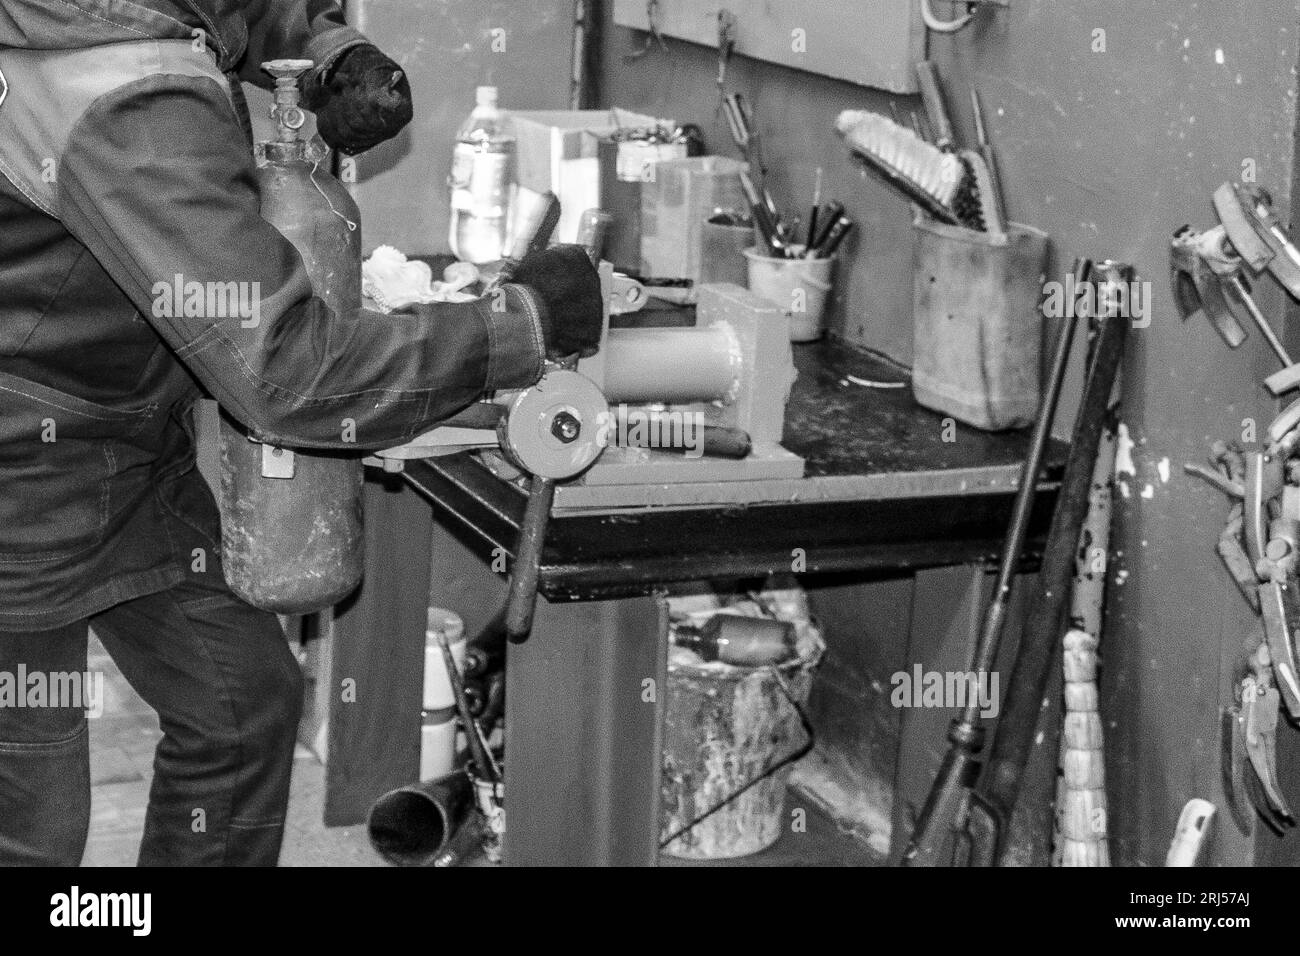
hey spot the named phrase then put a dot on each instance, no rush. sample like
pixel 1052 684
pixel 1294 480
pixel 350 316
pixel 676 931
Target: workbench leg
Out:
pixel 584 706
pixel 378 661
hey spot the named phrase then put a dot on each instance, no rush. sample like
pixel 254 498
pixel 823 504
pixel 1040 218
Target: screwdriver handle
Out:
pixel 534 240
pixel 935 107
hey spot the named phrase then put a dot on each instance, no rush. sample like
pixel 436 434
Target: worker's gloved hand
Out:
pixel 569 285
pixel 363 99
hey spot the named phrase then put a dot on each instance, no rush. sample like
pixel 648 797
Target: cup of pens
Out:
pixel 800 287
pixel 797 277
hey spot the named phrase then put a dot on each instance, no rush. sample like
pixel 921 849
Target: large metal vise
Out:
pixel 733 369
pixel 731 372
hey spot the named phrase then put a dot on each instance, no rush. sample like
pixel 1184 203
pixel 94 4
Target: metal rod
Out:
pixel 484 766
pixel 987 648
pixel 1262 323
pixel 1040 640
pixel 966 735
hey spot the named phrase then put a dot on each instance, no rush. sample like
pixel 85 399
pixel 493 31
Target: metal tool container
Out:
pixel 725 727
pixel 291 520
pixel 977 325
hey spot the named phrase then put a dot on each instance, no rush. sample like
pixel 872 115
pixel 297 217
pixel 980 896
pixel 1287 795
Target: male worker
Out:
pixel 124 162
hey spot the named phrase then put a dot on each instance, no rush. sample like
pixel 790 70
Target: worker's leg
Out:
pixel 44 755
pixel 228 693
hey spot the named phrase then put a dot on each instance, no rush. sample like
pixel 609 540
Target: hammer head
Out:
pixel 1197 286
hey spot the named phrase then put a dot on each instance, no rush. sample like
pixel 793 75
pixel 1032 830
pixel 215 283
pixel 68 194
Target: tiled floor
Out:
pixel 121 766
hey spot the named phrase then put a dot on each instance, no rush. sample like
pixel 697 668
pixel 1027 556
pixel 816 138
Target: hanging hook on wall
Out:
pixel 652 19
pixel 932 22
pixel 726 46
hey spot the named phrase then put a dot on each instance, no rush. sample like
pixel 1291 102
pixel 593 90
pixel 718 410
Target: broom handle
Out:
pixel 1080 830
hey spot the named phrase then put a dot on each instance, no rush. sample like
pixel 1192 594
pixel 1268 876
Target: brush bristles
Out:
pixel 935 172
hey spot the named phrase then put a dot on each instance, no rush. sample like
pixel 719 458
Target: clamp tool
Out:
pixel 1251 750
pixel 1257 234
pixel 1279 611
pixel 1260 549
pixel 1264 567
pixel 1208 272
pixel 1207 275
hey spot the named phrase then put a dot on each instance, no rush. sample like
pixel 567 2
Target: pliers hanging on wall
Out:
pixel 1259 547
pixel 1250 749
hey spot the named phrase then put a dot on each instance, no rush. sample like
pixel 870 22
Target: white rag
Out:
pixel 393 281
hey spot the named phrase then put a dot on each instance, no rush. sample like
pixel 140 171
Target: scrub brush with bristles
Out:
pixel 942 183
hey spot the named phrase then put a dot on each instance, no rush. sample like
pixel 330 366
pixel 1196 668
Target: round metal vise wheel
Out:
pixel 556 428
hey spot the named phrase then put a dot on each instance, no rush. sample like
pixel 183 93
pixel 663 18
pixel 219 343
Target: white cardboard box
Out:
pixel 557 151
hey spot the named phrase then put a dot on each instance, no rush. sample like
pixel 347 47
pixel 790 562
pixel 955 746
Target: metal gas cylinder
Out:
pixel 291 519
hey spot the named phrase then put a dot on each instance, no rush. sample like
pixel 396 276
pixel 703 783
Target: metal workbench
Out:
pixel 888 489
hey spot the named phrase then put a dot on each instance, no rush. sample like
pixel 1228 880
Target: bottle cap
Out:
pixel 448 622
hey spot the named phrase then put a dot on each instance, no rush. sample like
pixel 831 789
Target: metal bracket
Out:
pixel 277 462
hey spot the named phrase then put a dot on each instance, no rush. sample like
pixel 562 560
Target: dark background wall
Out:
pixel 1109 152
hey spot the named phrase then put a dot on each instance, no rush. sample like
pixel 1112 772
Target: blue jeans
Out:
pixel 228 693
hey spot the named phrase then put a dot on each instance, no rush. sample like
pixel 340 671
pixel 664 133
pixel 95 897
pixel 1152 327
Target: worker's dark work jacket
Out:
pixel 123 166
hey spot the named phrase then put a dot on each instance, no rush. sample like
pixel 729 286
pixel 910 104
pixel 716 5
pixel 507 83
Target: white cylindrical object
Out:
pixel 437 687
pixel 437 745
pixel 672 365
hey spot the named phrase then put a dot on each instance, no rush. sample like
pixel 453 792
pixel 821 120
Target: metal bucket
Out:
pixel 723 727
pixel 977 324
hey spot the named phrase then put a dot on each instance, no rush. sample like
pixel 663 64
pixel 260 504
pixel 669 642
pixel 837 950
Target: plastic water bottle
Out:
pixel 482 176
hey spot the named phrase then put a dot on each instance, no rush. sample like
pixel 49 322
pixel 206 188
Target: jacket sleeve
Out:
pixel 157 181
pixel 304 29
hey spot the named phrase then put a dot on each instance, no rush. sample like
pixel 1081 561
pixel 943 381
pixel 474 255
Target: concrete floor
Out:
pixel 122 742
pixel 822 844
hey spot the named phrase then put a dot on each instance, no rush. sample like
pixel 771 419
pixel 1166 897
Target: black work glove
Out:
pixel 363 99
pixel 565 280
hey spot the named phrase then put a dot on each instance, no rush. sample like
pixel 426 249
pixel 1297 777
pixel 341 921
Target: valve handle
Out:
pixel 288 114
pixel 287 69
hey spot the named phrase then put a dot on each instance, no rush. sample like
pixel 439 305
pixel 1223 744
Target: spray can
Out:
pixel 291 520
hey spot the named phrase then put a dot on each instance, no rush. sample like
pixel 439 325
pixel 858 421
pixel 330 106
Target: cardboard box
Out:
pixel 558 150
pixel 675 203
